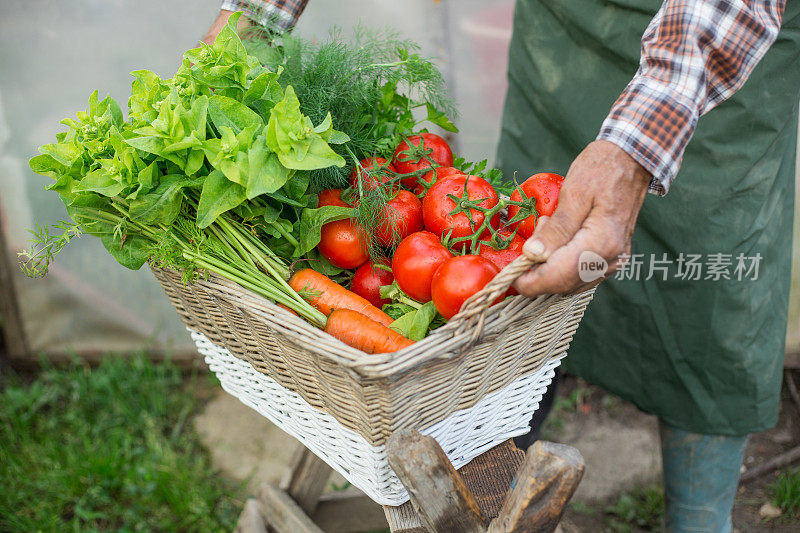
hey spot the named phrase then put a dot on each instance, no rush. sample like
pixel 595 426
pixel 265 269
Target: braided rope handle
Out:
pixel 472 315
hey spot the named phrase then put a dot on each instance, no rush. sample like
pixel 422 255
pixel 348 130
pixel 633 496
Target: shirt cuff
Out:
pixel 653 123
pixel 270 16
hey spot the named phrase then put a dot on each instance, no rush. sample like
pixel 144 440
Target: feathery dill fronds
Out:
pixel 35 262
pixel 369 84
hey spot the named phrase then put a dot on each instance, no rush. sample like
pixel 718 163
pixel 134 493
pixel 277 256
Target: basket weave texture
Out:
pixel 463 435
pixel 480 351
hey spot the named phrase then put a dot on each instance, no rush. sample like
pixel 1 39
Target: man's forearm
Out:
pixel 695 54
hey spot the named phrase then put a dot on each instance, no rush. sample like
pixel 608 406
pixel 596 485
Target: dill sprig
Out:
pixel 370 85
pixel 35 261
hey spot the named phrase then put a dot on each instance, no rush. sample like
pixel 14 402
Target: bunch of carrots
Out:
pixel 351 318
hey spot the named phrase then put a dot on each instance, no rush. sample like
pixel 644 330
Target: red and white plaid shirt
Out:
pixel 695 54
pixel 280 15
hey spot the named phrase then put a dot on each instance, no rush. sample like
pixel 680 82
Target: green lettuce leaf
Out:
pixel 264 87
pixel 130 251
pixel 163 204
pixel 101 182
pixel 265 172
pixel 414 324
pixel 292 136
pixel 227 112
pixel 218 196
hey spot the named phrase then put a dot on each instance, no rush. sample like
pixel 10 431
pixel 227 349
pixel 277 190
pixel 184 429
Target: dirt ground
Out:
pixel 596 408
pixel 619 444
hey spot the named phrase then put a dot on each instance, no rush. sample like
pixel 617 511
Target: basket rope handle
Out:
pixel 473 312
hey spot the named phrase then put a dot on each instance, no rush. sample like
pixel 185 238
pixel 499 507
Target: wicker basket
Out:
pixel 483 352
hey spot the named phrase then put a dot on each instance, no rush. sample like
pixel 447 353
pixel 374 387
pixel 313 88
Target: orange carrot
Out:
pixel 327 296
pixel 363 333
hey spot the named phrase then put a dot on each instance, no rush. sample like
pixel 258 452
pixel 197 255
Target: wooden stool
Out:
pixel 502 490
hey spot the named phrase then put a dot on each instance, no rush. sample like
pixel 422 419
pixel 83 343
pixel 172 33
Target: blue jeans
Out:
pixel 701 475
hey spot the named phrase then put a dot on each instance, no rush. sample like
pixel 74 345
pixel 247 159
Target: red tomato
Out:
pixel 459 278
pixel 543 188
pixel 415 261
pixel 368 280
pixel 501 258
pixel 441 154
pixel 331 197
pixel 403 216
pixel 369 176
pixel 344 244
pixel 504 256
pixel 436 206
pixel 432 177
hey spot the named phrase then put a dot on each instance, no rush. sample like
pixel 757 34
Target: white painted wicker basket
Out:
pixel 463 435
pixel 471 383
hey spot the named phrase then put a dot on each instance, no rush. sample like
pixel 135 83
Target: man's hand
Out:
pixel 597 209
pixel 222 19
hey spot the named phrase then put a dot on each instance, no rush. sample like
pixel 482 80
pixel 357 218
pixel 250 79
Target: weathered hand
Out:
pixel 218 24
pixel 597 209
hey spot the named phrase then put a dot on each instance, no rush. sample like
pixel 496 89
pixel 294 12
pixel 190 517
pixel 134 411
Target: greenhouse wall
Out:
pixel 54 54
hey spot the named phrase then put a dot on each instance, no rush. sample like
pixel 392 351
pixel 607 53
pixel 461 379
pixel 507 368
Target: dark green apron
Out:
pixel 705 356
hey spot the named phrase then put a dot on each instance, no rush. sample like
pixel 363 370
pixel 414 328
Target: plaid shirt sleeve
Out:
pixel 280 15
pixel 695 54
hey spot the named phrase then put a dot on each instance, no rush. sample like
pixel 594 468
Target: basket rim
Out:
pixel 375 366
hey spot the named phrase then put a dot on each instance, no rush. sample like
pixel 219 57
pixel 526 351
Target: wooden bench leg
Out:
pixel 282 512
pixel 287 509
pixel 542 488
pixel 305 479
pixel 438 493
pixel 297 504
pixel 252 519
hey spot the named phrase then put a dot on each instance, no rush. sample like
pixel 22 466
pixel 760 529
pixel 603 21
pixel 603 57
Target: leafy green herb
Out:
pixel 412 319
pixel 299 144
pixel 370 87
pixel 204 173
pixel 415 323
pixel 219 195
pixel 492 175
pixel 216 169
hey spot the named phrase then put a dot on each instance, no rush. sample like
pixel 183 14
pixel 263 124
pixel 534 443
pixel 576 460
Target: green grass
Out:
pixel 786 492
pixel 107 448
pixel 640 509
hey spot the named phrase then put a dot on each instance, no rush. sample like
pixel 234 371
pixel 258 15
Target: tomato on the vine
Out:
pixel 344 243
pixel 543 188
pixel 370 176
pixel 368 280
pixel 432 177
pixel 415 261
pixel 503 257
pixel 405 160
pixel 331 197
pixel 459 278
pixel 437 206
pixel 401 218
